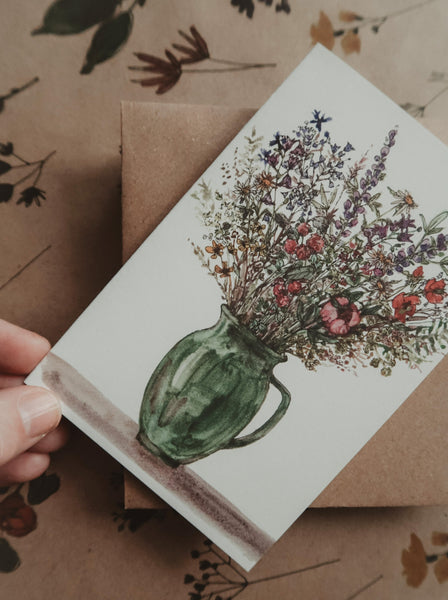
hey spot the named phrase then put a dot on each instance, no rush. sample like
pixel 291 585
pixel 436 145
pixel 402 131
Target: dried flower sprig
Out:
pixel 415 560
pixel 167 72
pixel 418 110
pixel 30 194
pixel 221 579
pixel 324 32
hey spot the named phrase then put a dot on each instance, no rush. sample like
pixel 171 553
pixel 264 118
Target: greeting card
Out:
pixel 277 317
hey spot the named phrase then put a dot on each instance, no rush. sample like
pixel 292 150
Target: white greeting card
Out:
pixel 277 317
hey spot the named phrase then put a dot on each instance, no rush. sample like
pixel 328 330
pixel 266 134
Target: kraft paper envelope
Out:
pixel 165 148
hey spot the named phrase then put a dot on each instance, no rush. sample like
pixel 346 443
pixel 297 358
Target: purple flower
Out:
pixel 425 245
pixel 319 119
pixel 286 182
pixel 404 236
pixel 380 230
pixel 441 242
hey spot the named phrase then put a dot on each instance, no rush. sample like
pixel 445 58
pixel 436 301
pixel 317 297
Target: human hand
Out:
pixel 29 415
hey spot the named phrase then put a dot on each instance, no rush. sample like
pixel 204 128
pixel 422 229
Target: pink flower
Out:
pixel 294 287
pixel 282 300
pixel 303 229
pixel 290 246
pixel 339 315
pixel 316 243
pixel 303 252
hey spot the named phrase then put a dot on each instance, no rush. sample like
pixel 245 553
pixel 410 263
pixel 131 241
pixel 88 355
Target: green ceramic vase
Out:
pixel 206 390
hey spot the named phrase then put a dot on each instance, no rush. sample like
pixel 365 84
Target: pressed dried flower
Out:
pixel 322 33
pixel 441 569
pixel 413 560
pixel 351 42
pixel 348 16
pixel 169 71
pixel 439 538
pixel 198 50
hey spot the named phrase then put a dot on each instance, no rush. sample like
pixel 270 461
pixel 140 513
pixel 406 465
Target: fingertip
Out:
pixel 20 350
pixel 25 467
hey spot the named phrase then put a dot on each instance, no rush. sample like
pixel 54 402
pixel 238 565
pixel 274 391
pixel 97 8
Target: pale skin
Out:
pixel 30 427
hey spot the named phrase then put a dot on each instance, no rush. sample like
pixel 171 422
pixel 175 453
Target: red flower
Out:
pixel 290 246
pixel 339 316
pixel 303 229
pixel 316 243
pixel 405 306
pixel 294 287
pixel 16 517
pixel 418 272
pixel 435 291
pixel 279 287
pixel 303 252
pixel 282 300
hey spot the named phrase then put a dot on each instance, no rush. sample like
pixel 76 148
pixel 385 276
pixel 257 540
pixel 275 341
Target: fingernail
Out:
pixel 39 410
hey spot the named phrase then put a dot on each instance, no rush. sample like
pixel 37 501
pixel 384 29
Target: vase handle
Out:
pixel 270 423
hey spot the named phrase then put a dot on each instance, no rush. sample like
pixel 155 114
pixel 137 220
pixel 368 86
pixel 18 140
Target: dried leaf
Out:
pixel 414 562
pixel 108 40
pixel 348 16
pixel 441 569
pixel 323 32
pixel 351 42
pixel 439 538
pixel 67 17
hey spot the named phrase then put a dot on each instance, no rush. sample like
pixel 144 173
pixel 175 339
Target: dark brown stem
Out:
pixel 28 264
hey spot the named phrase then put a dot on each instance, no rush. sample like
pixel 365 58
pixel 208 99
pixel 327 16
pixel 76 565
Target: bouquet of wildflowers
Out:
pixel 319 258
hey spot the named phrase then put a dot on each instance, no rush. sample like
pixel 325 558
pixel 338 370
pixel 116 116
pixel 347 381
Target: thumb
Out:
pixel 26 414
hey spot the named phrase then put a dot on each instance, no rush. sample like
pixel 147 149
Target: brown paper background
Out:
pixel 76 550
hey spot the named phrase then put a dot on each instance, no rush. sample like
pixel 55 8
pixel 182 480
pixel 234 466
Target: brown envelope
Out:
pixel 166 148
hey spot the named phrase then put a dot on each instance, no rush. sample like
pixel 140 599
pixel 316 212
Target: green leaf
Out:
pixel 281 220
pixel 108 40
pixel 299 272
pixel 371 310
pixel 354 296
pixel 67 17
pixel 435 222
pixel 4 167
pixel 9 559
pixel 42 488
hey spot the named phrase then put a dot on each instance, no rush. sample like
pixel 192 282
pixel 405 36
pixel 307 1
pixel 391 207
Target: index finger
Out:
pixel 20 349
